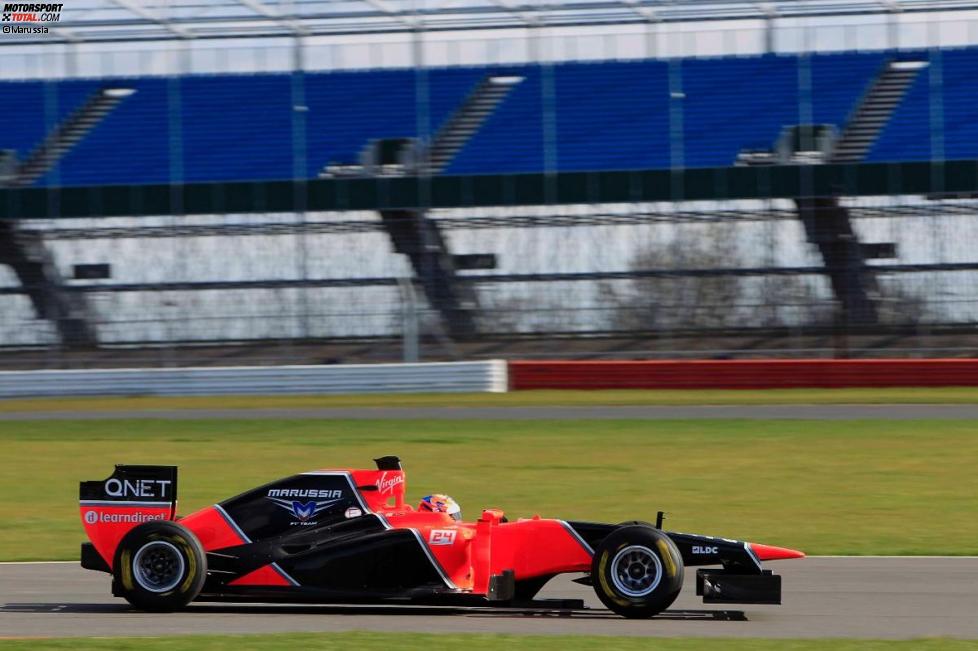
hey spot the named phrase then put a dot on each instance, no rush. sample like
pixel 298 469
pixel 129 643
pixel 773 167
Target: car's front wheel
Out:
pixel 637 571
pixel 159 566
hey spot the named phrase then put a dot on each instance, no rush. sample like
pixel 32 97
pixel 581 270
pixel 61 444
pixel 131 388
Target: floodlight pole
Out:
pixel 893 30
pixel 299 173
pixel 770 12
pixel 652 39
pixel 409 320
pixel 893 9
pixel 71 59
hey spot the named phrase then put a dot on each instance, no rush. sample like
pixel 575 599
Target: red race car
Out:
pixel 348 536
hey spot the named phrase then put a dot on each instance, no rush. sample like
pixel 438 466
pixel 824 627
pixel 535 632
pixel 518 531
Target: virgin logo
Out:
pixel 385 485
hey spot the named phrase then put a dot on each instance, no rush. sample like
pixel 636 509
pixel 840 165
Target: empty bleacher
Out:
pixel 608 115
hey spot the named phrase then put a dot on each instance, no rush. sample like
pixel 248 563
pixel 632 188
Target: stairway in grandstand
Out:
pixel 420 238
pixel 466 121
pixel 37 272
pixel 827 222
pixel 26 253
pixel 67 134
pixel 875 111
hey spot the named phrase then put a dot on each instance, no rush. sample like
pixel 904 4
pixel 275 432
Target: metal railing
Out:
pixel 447 377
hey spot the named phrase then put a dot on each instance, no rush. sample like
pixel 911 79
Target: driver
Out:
pixel 439 503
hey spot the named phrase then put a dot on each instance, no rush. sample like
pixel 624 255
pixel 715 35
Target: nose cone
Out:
pixel 771 553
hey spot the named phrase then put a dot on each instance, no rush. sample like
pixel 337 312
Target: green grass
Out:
pixel 356 641
pixel 826 487
pixel 947 395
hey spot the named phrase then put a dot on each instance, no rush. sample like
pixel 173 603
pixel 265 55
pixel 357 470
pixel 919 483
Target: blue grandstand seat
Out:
pixel 609 115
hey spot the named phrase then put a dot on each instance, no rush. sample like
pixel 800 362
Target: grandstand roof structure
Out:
pixel 154 20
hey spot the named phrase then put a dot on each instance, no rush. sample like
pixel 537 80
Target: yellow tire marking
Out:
pixel 126 568
pixel 667 558
pixel 191 567
pixel 603 582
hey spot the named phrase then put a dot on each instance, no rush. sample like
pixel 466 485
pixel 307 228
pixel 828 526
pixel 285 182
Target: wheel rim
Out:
pixel 636 571
pixel 158 566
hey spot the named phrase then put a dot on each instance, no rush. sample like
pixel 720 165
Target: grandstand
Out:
pixel 238 127
pixel 541 198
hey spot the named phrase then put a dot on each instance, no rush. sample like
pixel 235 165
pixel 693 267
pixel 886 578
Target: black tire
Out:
pixel 159 566
pixel 637 571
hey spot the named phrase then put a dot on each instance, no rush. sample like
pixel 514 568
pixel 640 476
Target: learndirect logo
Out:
pixel 93 517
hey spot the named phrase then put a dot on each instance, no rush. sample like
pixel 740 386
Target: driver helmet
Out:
pixel 439 503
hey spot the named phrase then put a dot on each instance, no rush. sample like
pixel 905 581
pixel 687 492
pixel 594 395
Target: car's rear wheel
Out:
pixel 159 566
pixel 637 571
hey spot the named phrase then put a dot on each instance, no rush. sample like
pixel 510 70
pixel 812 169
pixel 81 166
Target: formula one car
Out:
pixel 347 536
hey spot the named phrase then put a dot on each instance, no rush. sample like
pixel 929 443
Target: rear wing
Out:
pixel 131 495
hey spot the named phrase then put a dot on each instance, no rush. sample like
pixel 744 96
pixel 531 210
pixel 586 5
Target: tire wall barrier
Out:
pixel 449 377
pixel 743 374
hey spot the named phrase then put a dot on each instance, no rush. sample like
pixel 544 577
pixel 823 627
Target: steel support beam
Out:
pixel 34 267
pixel 26 252
pixel 421 240
pixel 827 225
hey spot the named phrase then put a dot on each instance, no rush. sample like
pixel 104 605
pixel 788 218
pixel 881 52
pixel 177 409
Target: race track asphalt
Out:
pixel 656 412
pixel 867 597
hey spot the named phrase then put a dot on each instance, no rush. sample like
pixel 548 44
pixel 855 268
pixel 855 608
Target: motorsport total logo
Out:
pixel 34 14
